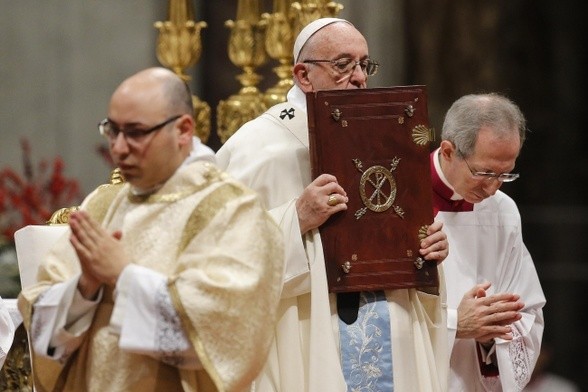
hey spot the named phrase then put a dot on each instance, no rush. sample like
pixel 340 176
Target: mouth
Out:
pixel 125 167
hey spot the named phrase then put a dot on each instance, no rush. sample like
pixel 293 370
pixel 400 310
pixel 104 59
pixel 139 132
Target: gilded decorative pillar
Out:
pixel 307 11
pixel 283 25
pixel 246 50
pixel 179 47
pixel 279 41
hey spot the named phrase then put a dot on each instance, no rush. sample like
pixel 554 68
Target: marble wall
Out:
pixel 60 60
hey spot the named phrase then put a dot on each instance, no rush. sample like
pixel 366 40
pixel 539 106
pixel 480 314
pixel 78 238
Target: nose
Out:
pixel 119 144
pixel 358 76
pixel 491 185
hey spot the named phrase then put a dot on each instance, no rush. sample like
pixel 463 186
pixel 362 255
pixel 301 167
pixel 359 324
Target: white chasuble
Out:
pixel 270 155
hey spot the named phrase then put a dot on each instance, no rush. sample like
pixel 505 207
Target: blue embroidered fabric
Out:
pixel 366 349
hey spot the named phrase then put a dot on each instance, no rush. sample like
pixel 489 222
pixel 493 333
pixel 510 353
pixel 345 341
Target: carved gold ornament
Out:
pixel 422 135
pixel 375 198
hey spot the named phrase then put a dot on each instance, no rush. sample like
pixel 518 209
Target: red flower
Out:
pixel 33 197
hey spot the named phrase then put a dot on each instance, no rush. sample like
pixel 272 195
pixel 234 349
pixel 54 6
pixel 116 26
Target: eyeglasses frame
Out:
pixel 369 62
pixel 133 134
pixel 502 177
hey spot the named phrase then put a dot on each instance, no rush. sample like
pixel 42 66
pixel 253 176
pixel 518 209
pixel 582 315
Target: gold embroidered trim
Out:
pixel 99 204
pixel 164 198
pixel 192 334
pixel 210 174
pixel 206 210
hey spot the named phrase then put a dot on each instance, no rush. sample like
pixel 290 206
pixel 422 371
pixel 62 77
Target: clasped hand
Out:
pixel 101 254
pixel 484 318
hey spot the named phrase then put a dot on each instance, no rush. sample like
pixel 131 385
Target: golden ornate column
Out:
pixel 279 41
pixel 246 50
pixel 308 10
pixel 284 24
pixel 179 47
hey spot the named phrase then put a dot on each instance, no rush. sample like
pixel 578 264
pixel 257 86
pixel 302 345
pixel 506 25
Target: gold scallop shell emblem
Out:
pixel 421 135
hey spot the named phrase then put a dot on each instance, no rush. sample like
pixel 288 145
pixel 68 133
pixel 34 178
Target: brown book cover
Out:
pixel 377 143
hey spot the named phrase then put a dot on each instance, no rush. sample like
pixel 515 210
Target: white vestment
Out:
pixel 201 152
pixel 270 154
pixel 551 382
pixel 486 245
pixel 7 329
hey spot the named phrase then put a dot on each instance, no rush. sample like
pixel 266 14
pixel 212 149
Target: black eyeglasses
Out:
pixel 110 131
pixel 346 65
pixel 502 177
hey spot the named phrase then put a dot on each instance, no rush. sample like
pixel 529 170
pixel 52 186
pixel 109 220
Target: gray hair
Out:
pixel 471 112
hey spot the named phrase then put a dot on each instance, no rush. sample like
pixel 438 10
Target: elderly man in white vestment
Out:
pixel 167 282
pixel 405 340
pixel 495 300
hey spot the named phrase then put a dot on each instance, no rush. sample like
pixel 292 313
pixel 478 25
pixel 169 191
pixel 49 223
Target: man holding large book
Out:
pixel 390 340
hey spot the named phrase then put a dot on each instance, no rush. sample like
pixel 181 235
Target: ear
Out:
pixel 300 74
pixel 186 126
pixel 447 150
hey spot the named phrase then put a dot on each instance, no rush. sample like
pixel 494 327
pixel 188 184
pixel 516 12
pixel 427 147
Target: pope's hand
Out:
pixel 320 199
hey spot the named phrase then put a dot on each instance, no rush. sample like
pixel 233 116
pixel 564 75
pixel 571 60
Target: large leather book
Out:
pixel 377 143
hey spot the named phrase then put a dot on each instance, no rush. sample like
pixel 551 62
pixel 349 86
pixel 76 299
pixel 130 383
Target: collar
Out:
pixel 297 97
pixel 444 196
pixel 145 192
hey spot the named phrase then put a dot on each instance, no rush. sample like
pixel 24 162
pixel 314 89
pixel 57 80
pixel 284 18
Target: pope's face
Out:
pixel 336 42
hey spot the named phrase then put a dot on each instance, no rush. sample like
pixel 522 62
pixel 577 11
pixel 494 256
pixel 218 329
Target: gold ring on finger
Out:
pixel 332 200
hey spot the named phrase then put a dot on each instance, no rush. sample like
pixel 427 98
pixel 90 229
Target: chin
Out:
pixel 474 200
pixel 130 178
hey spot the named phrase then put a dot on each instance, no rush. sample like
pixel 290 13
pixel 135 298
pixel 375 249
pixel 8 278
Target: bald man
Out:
pixel 396 339
pixel 168 282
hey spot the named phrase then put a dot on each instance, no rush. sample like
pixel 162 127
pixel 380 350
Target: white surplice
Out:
pixel 270 154
pixel 486 244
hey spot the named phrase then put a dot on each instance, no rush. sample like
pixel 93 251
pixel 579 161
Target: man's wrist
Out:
pixel 487 345
pixel 88 290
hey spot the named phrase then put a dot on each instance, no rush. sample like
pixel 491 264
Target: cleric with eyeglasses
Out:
pixel 494 297
pixel 167 281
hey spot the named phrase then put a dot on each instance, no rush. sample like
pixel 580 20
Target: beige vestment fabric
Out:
pixel 223 255
pixel 270 155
